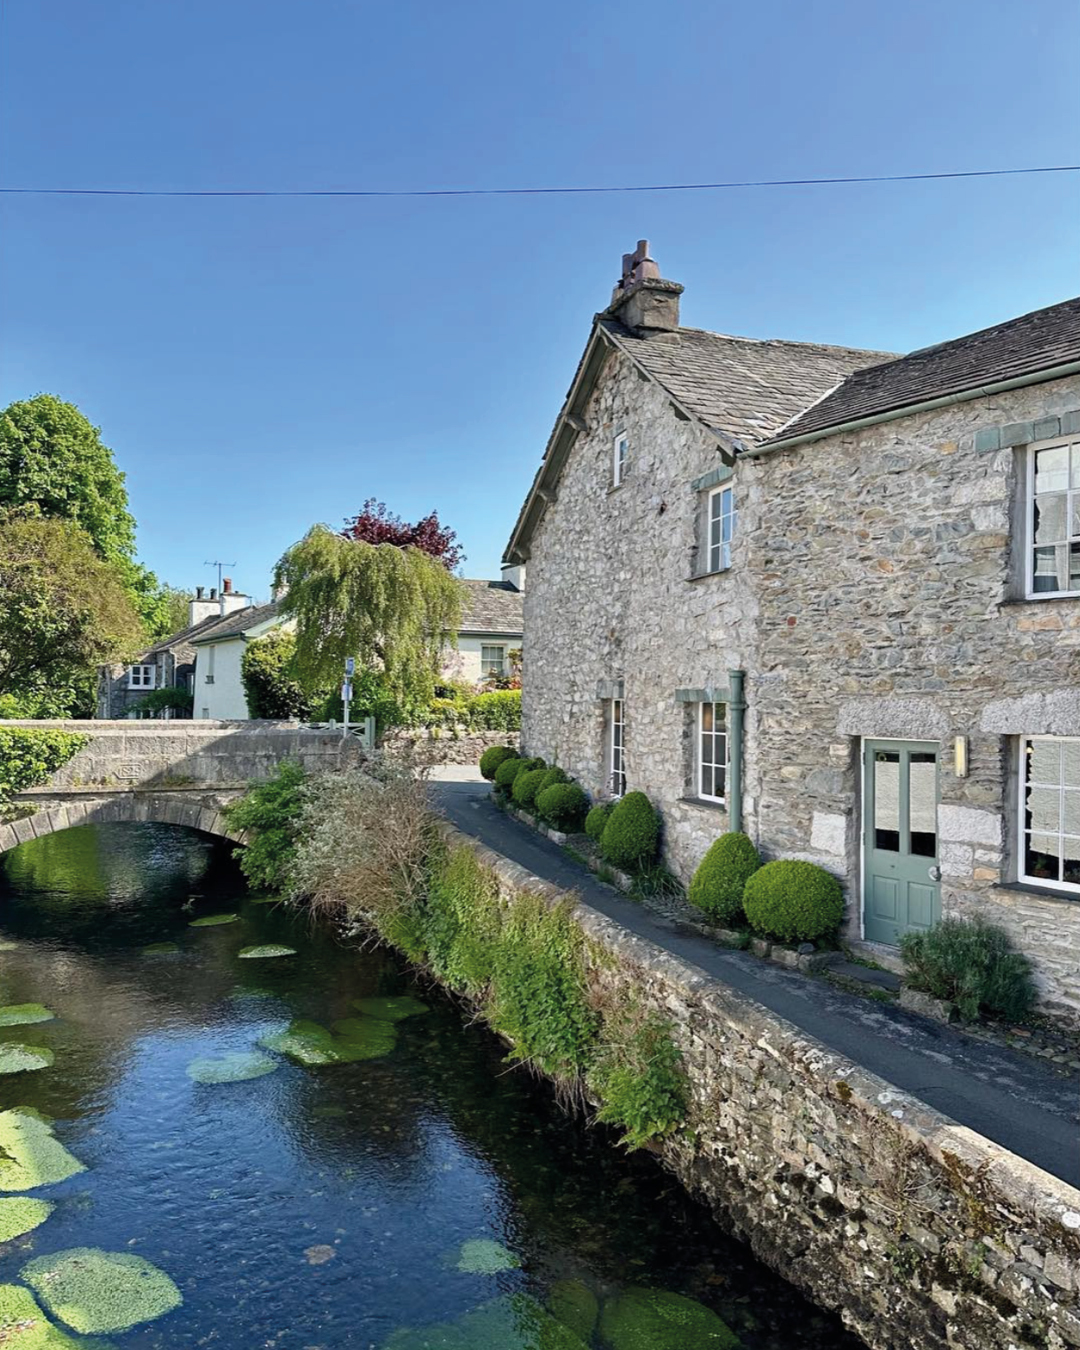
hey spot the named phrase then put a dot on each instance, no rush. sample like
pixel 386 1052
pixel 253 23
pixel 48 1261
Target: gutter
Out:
pixel 736 707
pixel 910 409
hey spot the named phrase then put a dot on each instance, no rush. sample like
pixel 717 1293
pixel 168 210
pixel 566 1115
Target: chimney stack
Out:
pixel 642 299
pixel 226 585
pixel 200 591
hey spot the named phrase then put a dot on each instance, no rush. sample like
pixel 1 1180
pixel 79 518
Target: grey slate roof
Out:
pixel 1041 340
pixel 491 607
pixel 242 621
pixel 185 635
pixel 745 388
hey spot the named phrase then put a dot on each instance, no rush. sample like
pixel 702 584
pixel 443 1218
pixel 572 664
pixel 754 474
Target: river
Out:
pixel 322 1206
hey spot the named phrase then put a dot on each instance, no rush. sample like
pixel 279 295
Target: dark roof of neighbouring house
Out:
pixel 240 622
pixel 491 607
pixel 185 635
pixel 1040 341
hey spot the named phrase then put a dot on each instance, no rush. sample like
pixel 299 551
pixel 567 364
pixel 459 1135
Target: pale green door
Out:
pixel 901 890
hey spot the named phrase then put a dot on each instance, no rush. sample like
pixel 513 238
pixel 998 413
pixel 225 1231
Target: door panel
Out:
pixel 901 893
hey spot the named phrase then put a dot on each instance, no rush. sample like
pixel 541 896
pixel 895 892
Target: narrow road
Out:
pixel 1003 1094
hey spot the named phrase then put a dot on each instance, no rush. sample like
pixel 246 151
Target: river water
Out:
pixel 324 1206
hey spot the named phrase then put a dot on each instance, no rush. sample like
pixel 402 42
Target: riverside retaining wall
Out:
pixel 922 1234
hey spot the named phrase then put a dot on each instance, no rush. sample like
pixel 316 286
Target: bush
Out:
pixel 973 964
pixel 597 819
pixel 793 901
pixel 721 877
pixel 632 834
pixel 555 775
pixel 638 1075
pixel 30 755
pixel 507 771
pixel 493 756
pixel 527 785
pixel 269 812
pixel 562 805
pixel 176 700
pixel 266 674
pixel 498 710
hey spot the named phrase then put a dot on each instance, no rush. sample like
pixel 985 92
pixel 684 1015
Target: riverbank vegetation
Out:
pixel 30 755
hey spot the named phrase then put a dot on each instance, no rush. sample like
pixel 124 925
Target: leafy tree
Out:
pixel 269 813
pixel 269 687
pixel 164 608
pixel 375 525
pixel 392 608
pixel 52 458
pixel 63 609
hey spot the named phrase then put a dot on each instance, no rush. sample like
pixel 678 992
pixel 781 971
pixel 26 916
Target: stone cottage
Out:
pixel 828 597
pixel 170 663
pixel 491 629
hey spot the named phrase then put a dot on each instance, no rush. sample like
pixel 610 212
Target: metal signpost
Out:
pixel 347 692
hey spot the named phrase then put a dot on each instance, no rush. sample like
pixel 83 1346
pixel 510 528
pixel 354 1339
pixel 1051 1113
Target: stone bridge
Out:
pixel 176 773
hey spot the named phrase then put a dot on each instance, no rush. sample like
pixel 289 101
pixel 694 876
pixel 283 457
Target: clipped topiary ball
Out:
pixel 536 762
pixel 562 805
pixel 507 771
pixel 555 775
pixel 527 785
pixel 597 819
pixel 493 756
pixel 631 836
pixel 722 874
pixel 793 901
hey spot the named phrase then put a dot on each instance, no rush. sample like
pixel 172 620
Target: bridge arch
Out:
pixel 192 810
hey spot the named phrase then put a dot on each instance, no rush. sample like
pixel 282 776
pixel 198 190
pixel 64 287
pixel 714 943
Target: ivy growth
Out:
pixel 638 1075
pixel 31 755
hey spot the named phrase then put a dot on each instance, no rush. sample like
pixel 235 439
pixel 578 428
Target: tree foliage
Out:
pixel 392 608
pixel 269 814
pixel 269 686
pixel 30 755
pixel 375 525
pixel 64 609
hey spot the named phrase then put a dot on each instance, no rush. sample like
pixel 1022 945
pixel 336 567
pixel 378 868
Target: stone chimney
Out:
pixel 642 299
pixel 513 574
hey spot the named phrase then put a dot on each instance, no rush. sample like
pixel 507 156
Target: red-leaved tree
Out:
pixel 375 525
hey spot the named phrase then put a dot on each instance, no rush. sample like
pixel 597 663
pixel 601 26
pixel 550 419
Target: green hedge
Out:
pixel 31 755
pixel 597 819
pixel 721 877
pixel 793 901
pixel 497 710
pixel 527 785
pixel 631 836
pixel 507 771
pixel 562 805
pixel 555 775
pixel 493 757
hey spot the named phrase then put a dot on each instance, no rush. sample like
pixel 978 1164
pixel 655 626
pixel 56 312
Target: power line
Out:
pixel 528 191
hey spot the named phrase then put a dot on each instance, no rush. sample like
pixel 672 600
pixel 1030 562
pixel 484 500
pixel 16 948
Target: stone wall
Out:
pixel 919 1232
pixel 445 747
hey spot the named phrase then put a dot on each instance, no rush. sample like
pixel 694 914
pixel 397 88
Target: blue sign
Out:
pixel 350 666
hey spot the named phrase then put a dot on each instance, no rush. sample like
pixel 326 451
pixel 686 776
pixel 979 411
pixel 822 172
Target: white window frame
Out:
pixel 617 746
pixel 1065 887
pixel 142 676
pixel 718 555
pixel 620 458
pixel 485 668
pixel 1071 494
pixel 700 762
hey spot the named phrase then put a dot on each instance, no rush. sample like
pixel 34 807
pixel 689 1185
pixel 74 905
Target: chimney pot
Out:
pixel 199 592
pixel 642 298
pixel 213 592
pixel 226 585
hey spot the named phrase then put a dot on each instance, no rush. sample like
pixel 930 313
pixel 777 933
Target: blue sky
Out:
pixel 259 365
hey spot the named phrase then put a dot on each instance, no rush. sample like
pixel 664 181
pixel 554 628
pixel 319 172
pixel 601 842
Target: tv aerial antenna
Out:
pixel 219 565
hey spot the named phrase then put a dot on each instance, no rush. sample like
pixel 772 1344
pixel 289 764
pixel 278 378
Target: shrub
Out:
pixel 632 834
pixel 30 755
pixel 493 756
pixel 555 775
pixel 973 964
pixel 176 700
pixel 266 674
pixel 721 877
pixel 562 805
pixel 269 813
pixel 462 920
pixel 507 771
pixel 497 710
pixel 638 1075
pixel 793 901
pixel 527 785
pixel 597 819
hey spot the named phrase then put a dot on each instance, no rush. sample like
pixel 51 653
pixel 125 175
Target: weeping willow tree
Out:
pixel 392 608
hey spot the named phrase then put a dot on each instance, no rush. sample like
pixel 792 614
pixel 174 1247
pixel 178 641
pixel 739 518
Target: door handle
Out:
pixel 935 873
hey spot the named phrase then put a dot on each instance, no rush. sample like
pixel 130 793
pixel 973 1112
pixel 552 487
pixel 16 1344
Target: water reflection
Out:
pixel 313 1209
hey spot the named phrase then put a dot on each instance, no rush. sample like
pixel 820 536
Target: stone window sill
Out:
pixel 1013 600
pixel 615 487
pixel 704 576
pixel 705 805
pixel 1043 892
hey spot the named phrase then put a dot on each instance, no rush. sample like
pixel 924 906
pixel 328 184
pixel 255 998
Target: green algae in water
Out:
pixel 484 1256
pixel 268 949
pixel 390 1009
pixel 30 1156
pixel 24 1058
pixel 213 920
pixel 21 1214
pixel 95 1291
pixel 574 1304
pixel 514 1322
pixel 23 1014
pixel 23 1324
pixel 7 946
pixel 236 1066
pixel 161 949
pixel 352 1039
pixel 653 1319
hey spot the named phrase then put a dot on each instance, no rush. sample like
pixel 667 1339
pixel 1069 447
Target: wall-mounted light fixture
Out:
pixel 960 756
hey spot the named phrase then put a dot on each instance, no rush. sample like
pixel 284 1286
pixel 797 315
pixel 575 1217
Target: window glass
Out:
pixel 1054 517
pixel 619 457
pixel 617 731
pixel 922 803
pixel 712 750
pixel 721 527
pixel 887 800
pixel 1050 811
pixel 493 660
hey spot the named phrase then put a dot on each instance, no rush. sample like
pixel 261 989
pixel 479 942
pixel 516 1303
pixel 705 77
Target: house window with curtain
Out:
pixel 141 677
pixel 712 752
pixel 720 525
pixel 1053 519
pixel 492 661
pixel 1050 812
